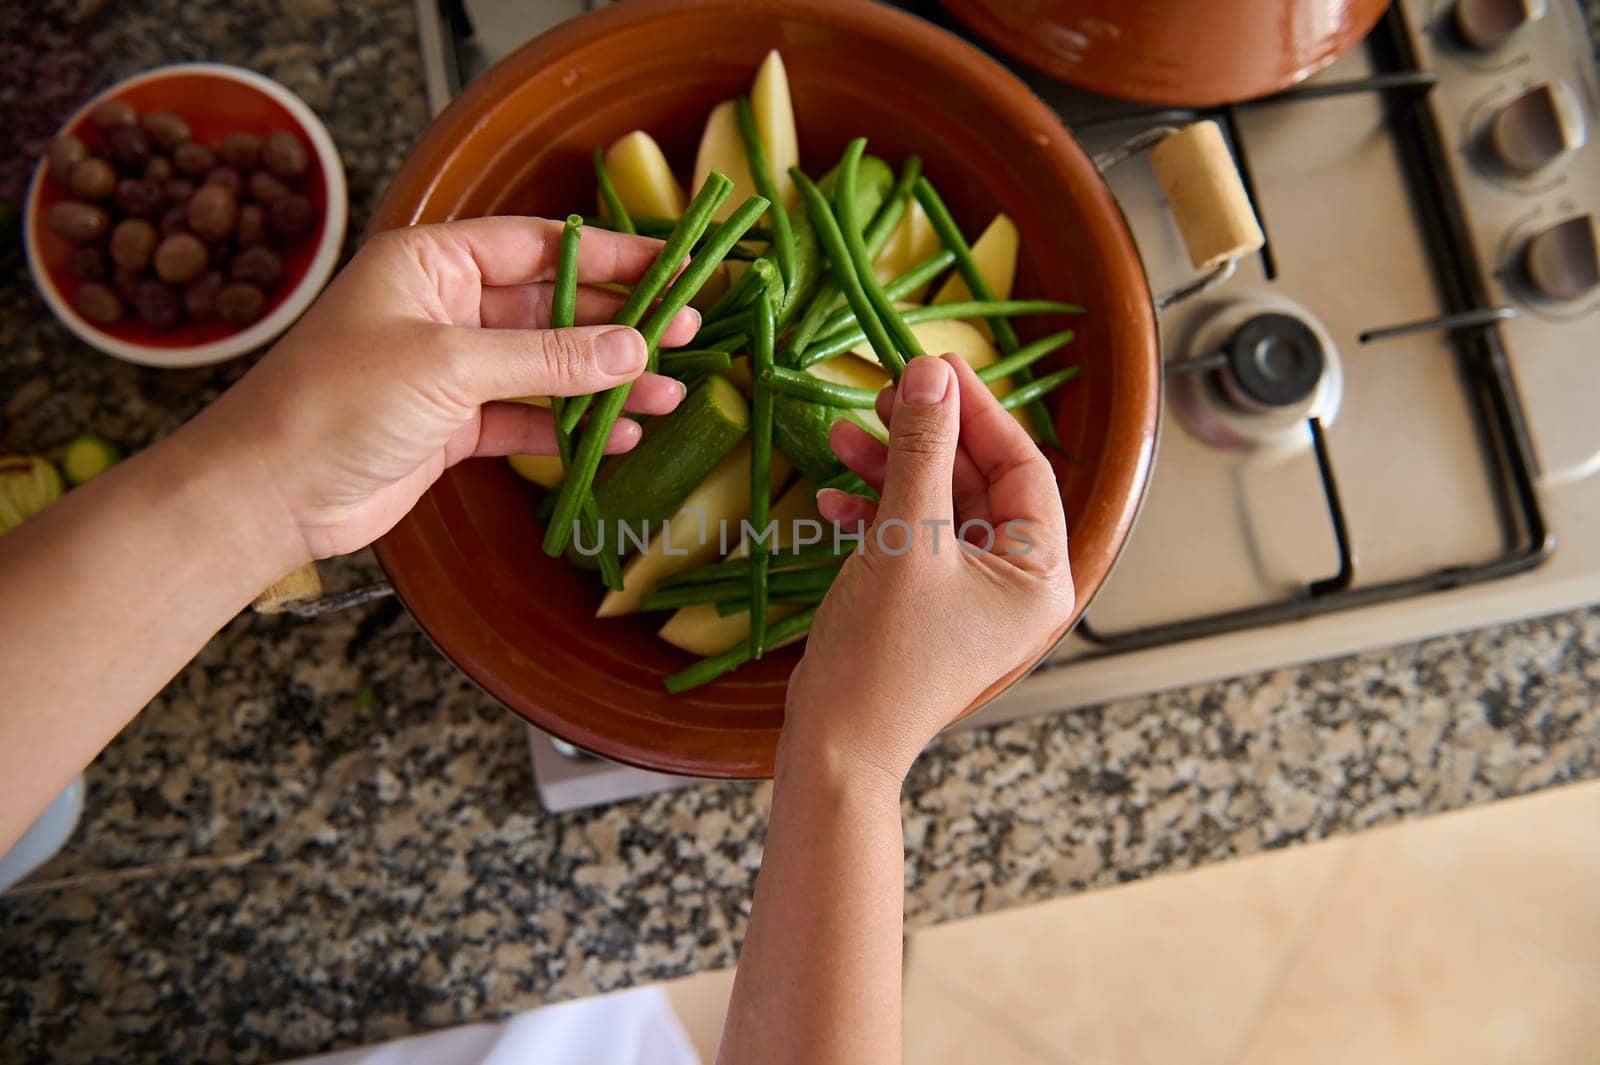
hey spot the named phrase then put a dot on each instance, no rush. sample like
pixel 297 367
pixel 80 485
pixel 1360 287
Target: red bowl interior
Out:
pixel 212 104
pixel 467 561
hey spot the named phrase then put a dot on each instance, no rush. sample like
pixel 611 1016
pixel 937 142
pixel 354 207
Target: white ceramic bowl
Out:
pixel 238 98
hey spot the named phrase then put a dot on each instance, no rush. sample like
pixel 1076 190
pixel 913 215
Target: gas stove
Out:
pixel 1381 427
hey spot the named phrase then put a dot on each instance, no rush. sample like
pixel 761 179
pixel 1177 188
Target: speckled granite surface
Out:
pixel 322 835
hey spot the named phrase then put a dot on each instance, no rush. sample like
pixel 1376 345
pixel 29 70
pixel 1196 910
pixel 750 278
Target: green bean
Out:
pixel 783 559
pixel 755 154
pixel 1026 356
pixel 709 669
pixel 802 385
pixel 575 487
pixel 1005 336
pixel 689 361
pixel 833 246
pixel 661 227
pixel 608 194
pixel 787 582
pixel 766 323
pixel 740 295
pixel 906 283
pixel 905 344
pixel 1031 391
pixel 563 310
pixel 697 273
pixel 842 340
pixel 877 235
pixel 882 226
pixel 739 606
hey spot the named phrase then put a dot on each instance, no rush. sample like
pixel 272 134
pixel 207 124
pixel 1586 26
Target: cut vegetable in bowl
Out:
pixel 995 253
pixel 642 179
pixel 822 313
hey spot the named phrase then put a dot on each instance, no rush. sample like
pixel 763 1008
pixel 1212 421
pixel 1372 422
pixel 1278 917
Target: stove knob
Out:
pixel 1487 24
pixel 1563 261
pixel 1537 128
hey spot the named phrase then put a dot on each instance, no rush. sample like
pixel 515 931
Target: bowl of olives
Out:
pixel 186 215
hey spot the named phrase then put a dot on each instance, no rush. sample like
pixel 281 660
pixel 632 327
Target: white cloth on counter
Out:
pixel 636 1027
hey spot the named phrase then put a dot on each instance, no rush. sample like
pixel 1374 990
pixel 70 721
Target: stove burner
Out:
pixel 1256 371
pixel 1273 360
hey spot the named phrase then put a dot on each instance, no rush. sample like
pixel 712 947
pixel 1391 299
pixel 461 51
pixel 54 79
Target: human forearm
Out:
pixel 819 976
pixel 107 593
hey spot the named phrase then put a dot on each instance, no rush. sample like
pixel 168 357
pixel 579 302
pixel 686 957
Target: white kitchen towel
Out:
pixel 634 1027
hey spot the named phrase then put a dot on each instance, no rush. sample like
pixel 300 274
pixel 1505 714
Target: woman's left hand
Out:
pixel 401 368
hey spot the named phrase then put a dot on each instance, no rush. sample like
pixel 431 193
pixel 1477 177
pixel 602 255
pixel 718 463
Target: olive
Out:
pixel 168 129
pixel 264 188
pixel 176 220
pixel 65 152
pixel 200 295
pixel 193 159
pixel 239 302
pixel 88 264
pixel 126 282
pixel 128 145
pixel 284 155
pixel 78 222
pixel 113 113
pixel 158 305
pixel 159 169
pixel 92 179
pixel 213 210
pixel 291 216
pixel 252 228
pixel 181 257
pixel 226 176
pixel 259 265
pixel 240 149
pixel 97 303
pixel 141 199
pixel 133 241
pixel 222 254
pixel 178 190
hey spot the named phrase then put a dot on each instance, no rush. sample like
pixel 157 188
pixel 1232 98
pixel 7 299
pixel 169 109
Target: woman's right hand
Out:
pixel 962 578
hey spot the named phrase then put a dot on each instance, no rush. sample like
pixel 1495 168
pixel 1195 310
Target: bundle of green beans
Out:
pixel 578 483
pixel 788 320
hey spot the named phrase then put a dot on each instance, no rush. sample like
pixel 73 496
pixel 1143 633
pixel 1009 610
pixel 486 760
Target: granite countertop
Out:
pixel 322 835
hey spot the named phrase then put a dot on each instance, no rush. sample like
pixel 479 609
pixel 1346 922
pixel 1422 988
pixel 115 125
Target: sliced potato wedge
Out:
pixel 857 373
pixel 542 470
pixel 938 338
pixel 995 254
pixel 698 629
pixel 912 241
pixel 643 178
pixel 774 112
pixel 721 149
pixel 690 537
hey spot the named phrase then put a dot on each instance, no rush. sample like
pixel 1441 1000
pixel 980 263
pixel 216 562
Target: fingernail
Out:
pixel 924 382
pixel 619 351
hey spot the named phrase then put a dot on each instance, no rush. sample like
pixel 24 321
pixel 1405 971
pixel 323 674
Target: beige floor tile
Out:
pixel 1528 866
pixel 1165 971
pixel 942 1028
pixel 1394 970
pixel 701 1003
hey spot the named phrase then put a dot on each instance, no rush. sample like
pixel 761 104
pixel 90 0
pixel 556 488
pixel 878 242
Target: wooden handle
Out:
pixel 302 585
pixel 1207 196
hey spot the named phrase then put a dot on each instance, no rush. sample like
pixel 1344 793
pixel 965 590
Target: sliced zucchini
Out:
pixel 645 486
